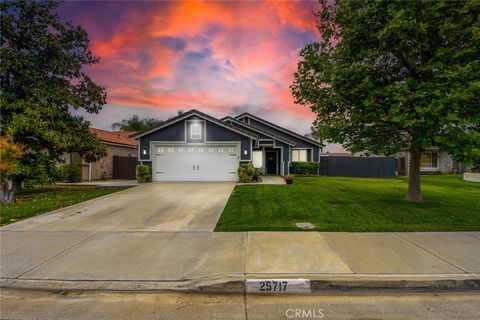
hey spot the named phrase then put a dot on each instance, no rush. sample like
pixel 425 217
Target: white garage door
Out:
pixel 195 163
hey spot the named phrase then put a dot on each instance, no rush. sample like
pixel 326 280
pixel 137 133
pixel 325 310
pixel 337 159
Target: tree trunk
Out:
pixel 414 194
pixel 16 184
pixel 6 194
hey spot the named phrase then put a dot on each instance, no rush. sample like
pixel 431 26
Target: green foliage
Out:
pixel 247 173
pixel 388 75
pixel 9 155
pixel 289 179
pixel 37 175
pixel 134 123
pixel 69 173
pixel 41 80
pixel 143 173
pixel 305 168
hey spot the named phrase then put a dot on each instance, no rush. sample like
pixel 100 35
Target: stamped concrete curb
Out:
pixel 242 284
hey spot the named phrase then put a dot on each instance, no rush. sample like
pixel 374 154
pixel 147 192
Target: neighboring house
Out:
pixel 195 146
pixel 433 160
pixel 120 161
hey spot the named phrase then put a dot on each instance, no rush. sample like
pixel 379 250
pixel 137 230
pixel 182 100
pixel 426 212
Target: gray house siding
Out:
pixel 299 143
pixel 218 133
pixel 176 132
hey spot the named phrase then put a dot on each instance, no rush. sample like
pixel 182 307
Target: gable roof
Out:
pixel 249 127
pixel 294 134
pixel 115 137
pixel 200 114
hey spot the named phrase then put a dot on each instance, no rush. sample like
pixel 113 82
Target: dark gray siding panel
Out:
pixel 366 167
pixel 219 133
pixel 255 133
pixel 299 143
pixel 176 132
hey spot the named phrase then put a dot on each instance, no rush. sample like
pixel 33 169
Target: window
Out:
pixel 429 160
pixel 231 150
pixel 220 150
pixel 257 159
pixel 211 150
pixel 195 131
pixel 180 149
pixel 299 155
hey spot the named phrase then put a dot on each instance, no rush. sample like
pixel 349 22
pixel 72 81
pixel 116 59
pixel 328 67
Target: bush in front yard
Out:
pixel 305 168
pixel 247 173
pixel 69 173
pixel 143 173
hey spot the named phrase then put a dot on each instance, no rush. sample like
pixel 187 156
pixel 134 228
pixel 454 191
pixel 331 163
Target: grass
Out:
pixel 45 199
pixel 354 204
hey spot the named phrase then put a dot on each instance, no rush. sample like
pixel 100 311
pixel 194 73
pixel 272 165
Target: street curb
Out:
pixel 239 283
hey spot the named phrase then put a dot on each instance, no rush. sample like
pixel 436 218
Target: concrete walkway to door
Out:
pixel 167 206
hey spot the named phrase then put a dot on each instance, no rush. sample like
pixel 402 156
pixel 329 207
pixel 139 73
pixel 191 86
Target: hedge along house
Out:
pixel 194 146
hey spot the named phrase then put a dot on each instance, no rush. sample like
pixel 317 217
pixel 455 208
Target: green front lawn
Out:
pixel 48 198
pixel 354 204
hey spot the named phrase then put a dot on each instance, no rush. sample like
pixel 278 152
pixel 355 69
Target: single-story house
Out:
pixel 120 161
pixel 433 160
pixel 194 146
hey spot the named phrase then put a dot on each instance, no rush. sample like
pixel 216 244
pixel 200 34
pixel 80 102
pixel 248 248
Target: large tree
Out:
pixel 134 123
pixel 42 80
pixel 395 75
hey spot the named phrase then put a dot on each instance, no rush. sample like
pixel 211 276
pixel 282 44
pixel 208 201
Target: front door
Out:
pixel 271 162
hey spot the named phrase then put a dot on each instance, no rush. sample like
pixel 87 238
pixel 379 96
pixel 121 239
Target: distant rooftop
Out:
pixel 116 137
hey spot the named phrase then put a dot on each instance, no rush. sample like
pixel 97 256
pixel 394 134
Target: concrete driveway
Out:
pixel 175 206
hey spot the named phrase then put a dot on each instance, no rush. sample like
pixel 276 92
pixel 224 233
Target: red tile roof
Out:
pixel 116 137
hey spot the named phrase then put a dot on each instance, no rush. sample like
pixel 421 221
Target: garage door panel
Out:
pixel 196 163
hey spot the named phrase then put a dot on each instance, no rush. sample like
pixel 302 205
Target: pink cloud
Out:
pixel 213 55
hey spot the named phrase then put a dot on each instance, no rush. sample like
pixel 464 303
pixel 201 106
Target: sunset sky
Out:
pixel 222 58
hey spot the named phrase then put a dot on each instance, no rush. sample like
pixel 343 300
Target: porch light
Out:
pixel 144 151
pixel 245 151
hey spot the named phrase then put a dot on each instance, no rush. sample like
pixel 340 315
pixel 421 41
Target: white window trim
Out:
pixel 198 134
pixel 299 149
pixel 430 168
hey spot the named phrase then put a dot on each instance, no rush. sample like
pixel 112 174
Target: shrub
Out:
pixel 305 168
pixel 248 173
pixel 289 179
pixel 143 173
pixel 69 173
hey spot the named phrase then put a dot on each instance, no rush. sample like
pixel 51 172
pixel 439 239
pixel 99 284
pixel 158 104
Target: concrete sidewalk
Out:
pixel 238 261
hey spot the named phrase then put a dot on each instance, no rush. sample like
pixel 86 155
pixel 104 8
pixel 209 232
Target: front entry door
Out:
pixel 271 162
